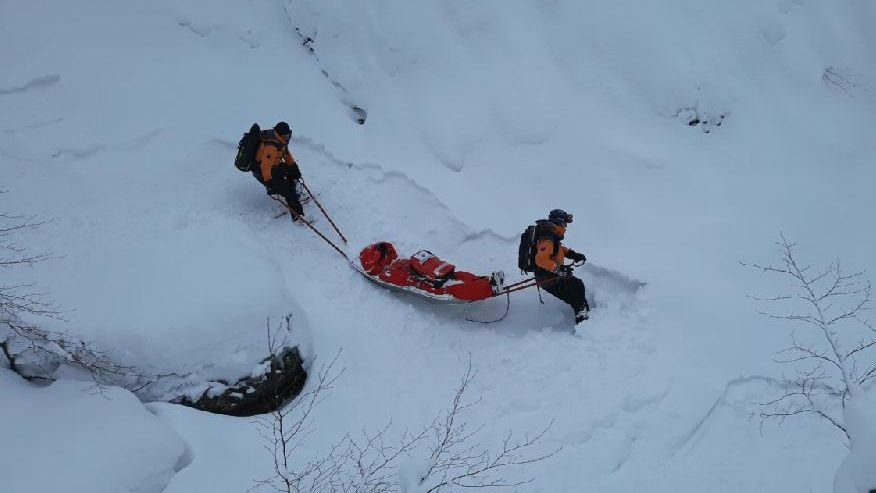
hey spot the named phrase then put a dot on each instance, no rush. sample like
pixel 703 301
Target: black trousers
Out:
pixel 282 186
pixel 568 289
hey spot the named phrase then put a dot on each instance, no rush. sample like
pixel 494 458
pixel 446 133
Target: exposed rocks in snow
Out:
pixel 281 378
pixel 696 118
pixel 257 394
pixel 356 112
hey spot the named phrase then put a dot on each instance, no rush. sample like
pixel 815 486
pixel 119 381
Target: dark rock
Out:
pixel 359 115
pixel 258 395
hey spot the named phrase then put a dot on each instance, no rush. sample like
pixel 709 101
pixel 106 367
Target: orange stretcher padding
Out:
pixel 423 273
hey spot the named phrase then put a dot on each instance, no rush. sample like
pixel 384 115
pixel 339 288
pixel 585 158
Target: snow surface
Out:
pixel 481 117
pixel 71 437
pixel 858 471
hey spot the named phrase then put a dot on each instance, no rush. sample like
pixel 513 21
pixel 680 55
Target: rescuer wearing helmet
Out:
pixel 550 271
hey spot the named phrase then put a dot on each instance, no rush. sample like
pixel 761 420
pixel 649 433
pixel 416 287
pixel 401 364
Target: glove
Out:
pixel 290 172
pixel 575 256
pixel 564 271
pixel 278 172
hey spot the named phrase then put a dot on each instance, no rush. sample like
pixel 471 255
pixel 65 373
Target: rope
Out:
pixel 324 213
pixel 530 282
pixel 507 309
pixel 526 283
pixel 528 279
pixel 295 215
pixel 517 286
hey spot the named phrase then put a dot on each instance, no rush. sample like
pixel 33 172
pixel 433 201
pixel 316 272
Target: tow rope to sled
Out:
pixel 507 309
pixel 294 215
pixel 324 213
pixel 517 286
pixel 505 291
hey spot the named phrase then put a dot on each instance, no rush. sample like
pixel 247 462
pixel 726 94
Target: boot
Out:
pixel 582 315
pixel 300 220
pixel 497 282
pixel 298 216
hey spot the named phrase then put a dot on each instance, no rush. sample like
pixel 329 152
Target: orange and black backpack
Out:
pixel 529 240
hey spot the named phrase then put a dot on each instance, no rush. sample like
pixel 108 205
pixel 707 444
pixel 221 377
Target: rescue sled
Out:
pixel 425 275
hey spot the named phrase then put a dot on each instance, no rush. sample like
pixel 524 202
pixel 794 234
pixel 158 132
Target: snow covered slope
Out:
pixel 121 125
pixel 70 437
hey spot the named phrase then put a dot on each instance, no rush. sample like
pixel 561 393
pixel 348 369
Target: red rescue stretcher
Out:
pixel 426 275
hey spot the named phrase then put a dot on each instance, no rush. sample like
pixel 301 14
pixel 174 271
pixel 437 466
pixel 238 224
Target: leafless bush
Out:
pixel 369 462
pixel 835 354
pixel 457 459
pixel 33 352
pixel 16 300
pixel 285 431
pixel 362 463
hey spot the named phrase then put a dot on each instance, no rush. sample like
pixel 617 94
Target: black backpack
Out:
pixel 246 149
pixel 526 251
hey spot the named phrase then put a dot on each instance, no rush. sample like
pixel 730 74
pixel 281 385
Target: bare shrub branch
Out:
pixel 457 459
pixel 833 305
pixel 32 351
pixel 285 429
pixel 368 462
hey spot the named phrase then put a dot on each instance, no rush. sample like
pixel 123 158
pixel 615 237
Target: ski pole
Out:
pixel 324 213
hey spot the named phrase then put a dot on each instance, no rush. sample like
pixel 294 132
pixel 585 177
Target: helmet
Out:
pixel 283 129
pixel 559 216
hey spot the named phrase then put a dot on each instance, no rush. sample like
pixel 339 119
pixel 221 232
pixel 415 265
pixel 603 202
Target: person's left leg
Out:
pixel 293 200
pixel 571 290
pixel 577 294
pixel 289 192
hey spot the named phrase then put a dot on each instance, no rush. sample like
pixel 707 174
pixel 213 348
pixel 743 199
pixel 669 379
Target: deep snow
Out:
pixel 121 126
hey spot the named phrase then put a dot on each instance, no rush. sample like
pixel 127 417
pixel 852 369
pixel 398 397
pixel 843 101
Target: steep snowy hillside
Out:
pixel 682 136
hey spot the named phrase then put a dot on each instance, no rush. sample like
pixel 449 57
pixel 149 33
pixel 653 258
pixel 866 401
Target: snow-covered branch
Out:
pixel 833 304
